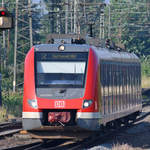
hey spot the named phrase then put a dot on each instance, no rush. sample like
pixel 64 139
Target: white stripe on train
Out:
pixel 36 115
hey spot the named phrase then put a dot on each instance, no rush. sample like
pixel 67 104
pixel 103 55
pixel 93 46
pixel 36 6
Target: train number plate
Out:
pixel 59 104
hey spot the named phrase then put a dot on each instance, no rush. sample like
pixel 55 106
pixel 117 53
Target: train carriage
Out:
pixel 80 87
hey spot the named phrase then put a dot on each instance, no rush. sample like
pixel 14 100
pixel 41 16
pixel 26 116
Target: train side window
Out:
pixel 136 82
pixel 102 87
pixel 139 83
pixel 117 85
pixel 128 85
pixel 108 87
pixel 112 71
pixel 132 84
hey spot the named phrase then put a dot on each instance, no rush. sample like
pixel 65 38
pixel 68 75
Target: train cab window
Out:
pixel 61 70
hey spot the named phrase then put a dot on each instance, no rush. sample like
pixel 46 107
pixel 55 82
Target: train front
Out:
pixel 60 90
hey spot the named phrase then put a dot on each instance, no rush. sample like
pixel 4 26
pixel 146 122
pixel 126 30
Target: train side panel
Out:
pixel 31 117
pixel 90 117
pixel 120 88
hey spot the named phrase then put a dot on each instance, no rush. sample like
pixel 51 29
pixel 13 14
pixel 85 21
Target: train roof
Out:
pixel 117 56
pixel 68 47
pixel 102 53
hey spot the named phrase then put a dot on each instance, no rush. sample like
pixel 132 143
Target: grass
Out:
pixel 124 147
pixel 145 82
pixel 3 114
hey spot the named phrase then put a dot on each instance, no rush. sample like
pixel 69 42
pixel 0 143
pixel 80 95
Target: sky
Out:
pixel 106 1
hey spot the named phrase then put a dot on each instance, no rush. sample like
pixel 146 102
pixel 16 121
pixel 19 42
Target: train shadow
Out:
pixel 137 136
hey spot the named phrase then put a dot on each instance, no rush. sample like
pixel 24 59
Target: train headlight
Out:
pixel 33 103
pixel 61 48
pixel 87 103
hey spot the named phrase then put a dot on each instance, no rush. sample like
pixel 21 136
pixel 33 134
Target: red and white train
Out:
pixel 79 87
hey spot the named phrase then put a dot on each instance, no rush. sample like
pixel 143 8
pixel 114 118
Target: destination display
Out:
pixel 61 56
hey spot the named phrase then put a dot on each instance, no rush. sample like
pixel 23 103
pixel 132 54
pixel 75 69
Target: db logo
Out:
pixel 59 104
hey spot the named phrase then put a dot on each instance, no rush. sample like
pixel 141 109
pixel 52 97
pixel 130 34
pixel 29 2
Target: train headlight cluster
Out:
pixel 87 103
pixel 33 103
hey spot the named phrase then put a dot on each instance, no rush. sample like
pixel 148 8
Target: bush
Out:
pixel 3 114
pixel 146 67
pixel 12 102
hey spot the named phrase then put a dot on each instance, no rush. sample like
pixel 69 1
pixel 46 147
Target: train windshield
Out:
pixel 61 70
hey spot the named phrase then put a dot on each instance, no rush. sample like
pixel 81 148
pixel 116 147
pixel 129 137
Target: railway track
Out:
pixel 10 128
pixel 146 91
pixel 96 139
